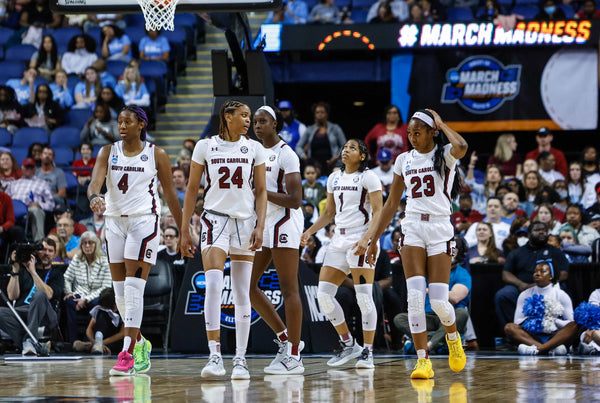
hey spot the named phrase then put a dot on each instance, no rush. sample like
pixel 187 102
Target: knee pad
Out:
pixel 325 302
pixel 364 297
pixel 212 302
pixel 438 296
pixel 328 303
pixel 416 304
pixel 134 301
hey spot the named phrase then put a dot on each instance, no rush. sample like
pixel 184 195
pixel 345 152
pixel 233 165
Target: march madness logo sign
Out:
pixel 269 283
pixel 481 84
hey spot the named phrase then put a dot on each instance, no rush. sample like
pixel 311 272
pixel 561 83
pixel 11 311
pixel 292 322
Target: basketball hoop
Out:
pixel 159 14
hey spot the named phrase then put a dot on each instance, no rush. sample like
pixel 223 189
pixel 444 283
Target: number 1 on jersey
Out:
pixel 341 197
pixel 123 185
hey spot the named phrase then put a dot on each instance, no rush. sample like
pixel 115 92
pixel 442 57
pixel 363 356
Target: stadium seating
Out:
pixel 5 137
pixel 78 117
pixel 63 156
pixel 458 14
pixel 20 153
pixel 529 12
pixel 11 69
pixel 21 53
pixel 65 136
pixel 26 136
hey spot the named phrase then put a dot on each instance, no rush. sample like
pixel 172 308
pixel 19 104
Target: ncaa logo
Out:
pixel 144 157
pixel 356 179
pixel 114 160
pixel 268 283
pixel 481 84
pixel 272 158
pixel 283 238
pixel 244 149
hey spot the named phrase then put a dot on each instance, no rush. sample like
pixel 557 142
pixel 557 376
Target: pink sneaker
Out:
pixel 124 365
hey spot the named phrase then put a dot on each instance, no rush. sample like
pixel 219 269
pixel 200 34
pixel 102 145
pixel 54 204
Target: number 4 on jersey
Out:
pixel 123 185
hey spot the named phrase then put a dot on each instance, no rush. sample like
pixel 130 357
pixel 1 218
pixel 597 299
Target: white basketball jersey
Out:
pixel 427 192
pixel 131 182
pixel 280 160
pixel 229 168
pixel 351 196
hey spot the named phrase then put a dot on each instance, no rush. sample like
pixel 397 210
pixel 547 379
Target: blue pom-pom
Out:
pixel 587 315
pixel 534 306
pixel 533 325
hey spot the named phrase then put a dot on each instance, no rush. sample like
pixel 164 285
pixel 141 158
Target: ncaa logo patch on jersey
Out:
pixel 144 157
pixel 115 160
pixel 244 149
pixel 355 179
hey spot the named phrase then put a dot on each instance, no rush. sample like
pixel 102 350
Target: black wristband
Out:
pixel 12 274
pixel 92 197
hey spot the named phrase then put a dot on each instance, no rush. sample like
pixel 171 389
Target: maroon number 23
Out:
pixel 428 184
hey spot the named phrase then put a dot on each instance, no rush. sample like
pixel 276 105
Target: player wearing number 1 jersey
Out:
pixel 428 173
pixel 132 168
pixel 354 200
pixel 235 204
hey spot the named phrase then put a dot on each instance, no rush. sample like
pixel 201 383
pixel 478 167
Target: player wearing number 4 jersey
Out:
pixel 354 200
pixel 132 168
pixel 428 175
pixel 232 222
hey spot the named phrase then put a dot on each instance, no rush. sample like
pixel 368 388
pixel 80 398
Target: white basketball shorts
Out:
pixel 229 234
pixel 284 230
pixel 340 251
pixel 435 234
pixel 132 238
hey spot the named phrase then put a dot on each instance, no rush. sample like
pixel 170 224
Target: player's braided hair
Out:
pixel 363 150
pixel 229 106
pixel 141 116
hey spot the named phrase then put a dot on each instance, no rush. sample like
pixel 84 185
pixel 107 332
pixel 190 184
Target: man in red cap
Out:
pixel 36 194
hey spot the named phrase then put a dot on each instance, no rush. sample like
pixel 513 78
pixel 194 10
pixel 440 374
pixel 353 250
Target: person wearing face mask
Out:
pixel 519 268
pixel 550 12
pixel 574 252
pixel 465 216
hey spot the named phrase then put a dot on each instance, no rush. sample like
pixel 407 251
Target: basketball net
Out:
pixel 159 14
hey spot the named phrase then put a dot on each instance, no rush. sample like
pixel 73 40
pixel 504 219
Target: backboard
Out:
pixel 131 6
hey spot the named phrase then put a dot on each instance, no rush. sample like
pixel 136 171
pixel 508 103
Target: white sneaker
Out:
pixel 524 349
pixel 365 360
pixel 560 350
pixel 285 350
pixel 240 369
pixel 288 366
pixel 28 348
pixel 345 354
pixel 214 367
pixel 98 347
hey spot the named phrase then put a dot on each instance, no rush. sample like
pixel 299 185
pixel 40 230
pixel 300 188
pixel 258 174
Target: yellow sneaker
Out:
pixel 456 358
pixel 423 387
pixel 422 369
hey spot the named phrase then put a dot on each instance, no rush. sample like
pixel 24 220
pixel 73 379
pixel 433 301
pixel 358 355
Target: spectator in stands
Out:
pixel 37 13
pixel 323 140
pixel 81 53
pixel 105 328
pixel 394 253
pixel 399 9
pixel 547 162
pixel 465 216
pixel 494 217
pixel 33 287
pixel 10 110
pixel 95 223
pixel 309 253
pixel 481 192
pixel 44 112
pixel 391 133
pixel 87 91
pixel 179 183
pixel 154 46
pixel 492 11
pixel 12 15
pixel 589 160
pixel 9 169
pixel 173 258
pixel 36 194
pixel 518 235
pixel 62 211
pixel 109 97
pixel 520 266
pixel 60 257
pixel 533 185
pixel 545 214
pixel 293 129
pixel 190 144
pixel 384 170
pixel 560 188
pixel 325 13
pixel 417 15
pixel 591 211
pixel 506 156
pixel 64 229
pixel 9 232
pixel 100 20
pixel 296 11
pixel 86 277
pixel 588 11
pixel 85 163
pixel 550 12
pixel 515 186
pixel 544 139
pixel 53 175
pixel 24 86
pixel 312 190
pixel 107 79
pixel 385 14
pixel 585 234
pixel 575 182
pixel 60 90
pixel 35 153
pixel 574 252
pixel 433 9
pixel 510 206
pixel 542 337
pixel 485 250
pixel 116 45
pixel 100 129
pixel 183 160
pixel 528 166
pixel 132 89
pixel 47 59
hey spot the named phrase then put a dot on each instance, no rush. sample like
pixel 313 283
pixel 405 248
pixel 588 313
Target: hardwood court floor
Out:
pixel 177 379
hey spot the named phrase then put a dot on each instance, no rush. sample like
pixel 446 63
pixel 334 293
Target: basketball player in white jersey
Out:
pixel 132 168
pixel 281 241
pixel 427 237
pixel 233 222
pixel 354 199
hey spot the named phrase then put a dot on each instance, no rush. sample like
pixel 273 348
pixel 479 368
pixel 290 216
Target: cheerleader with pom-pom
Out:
pixel 587 315
pixel 544 316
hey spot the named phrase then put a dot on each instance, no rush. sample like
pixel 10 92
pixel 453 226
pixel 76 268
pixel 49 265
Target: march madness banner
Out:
pixel 497 90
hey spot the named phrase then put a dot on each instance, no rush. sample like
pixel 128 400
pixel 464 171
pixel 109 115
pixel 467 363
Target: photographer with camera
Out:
pixel 33 287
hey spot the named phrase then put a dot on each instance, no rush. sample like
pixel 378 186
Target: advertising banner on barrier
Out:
pixel 507 90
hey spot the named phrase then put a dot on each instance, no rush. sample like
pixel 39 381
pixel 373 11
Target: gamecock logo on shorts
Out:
pixel 148 253
pixel 283 238
pixel 268 283
pixel 204 237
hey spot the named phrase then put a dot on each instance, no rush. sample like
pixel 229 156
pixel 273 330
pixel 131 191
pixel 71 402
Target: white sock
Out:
pixel 452 336
pixel 214 347
pixel 421 354
pixel 212 301
pixel 349 342
pixel 126 343
pixel 369 346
